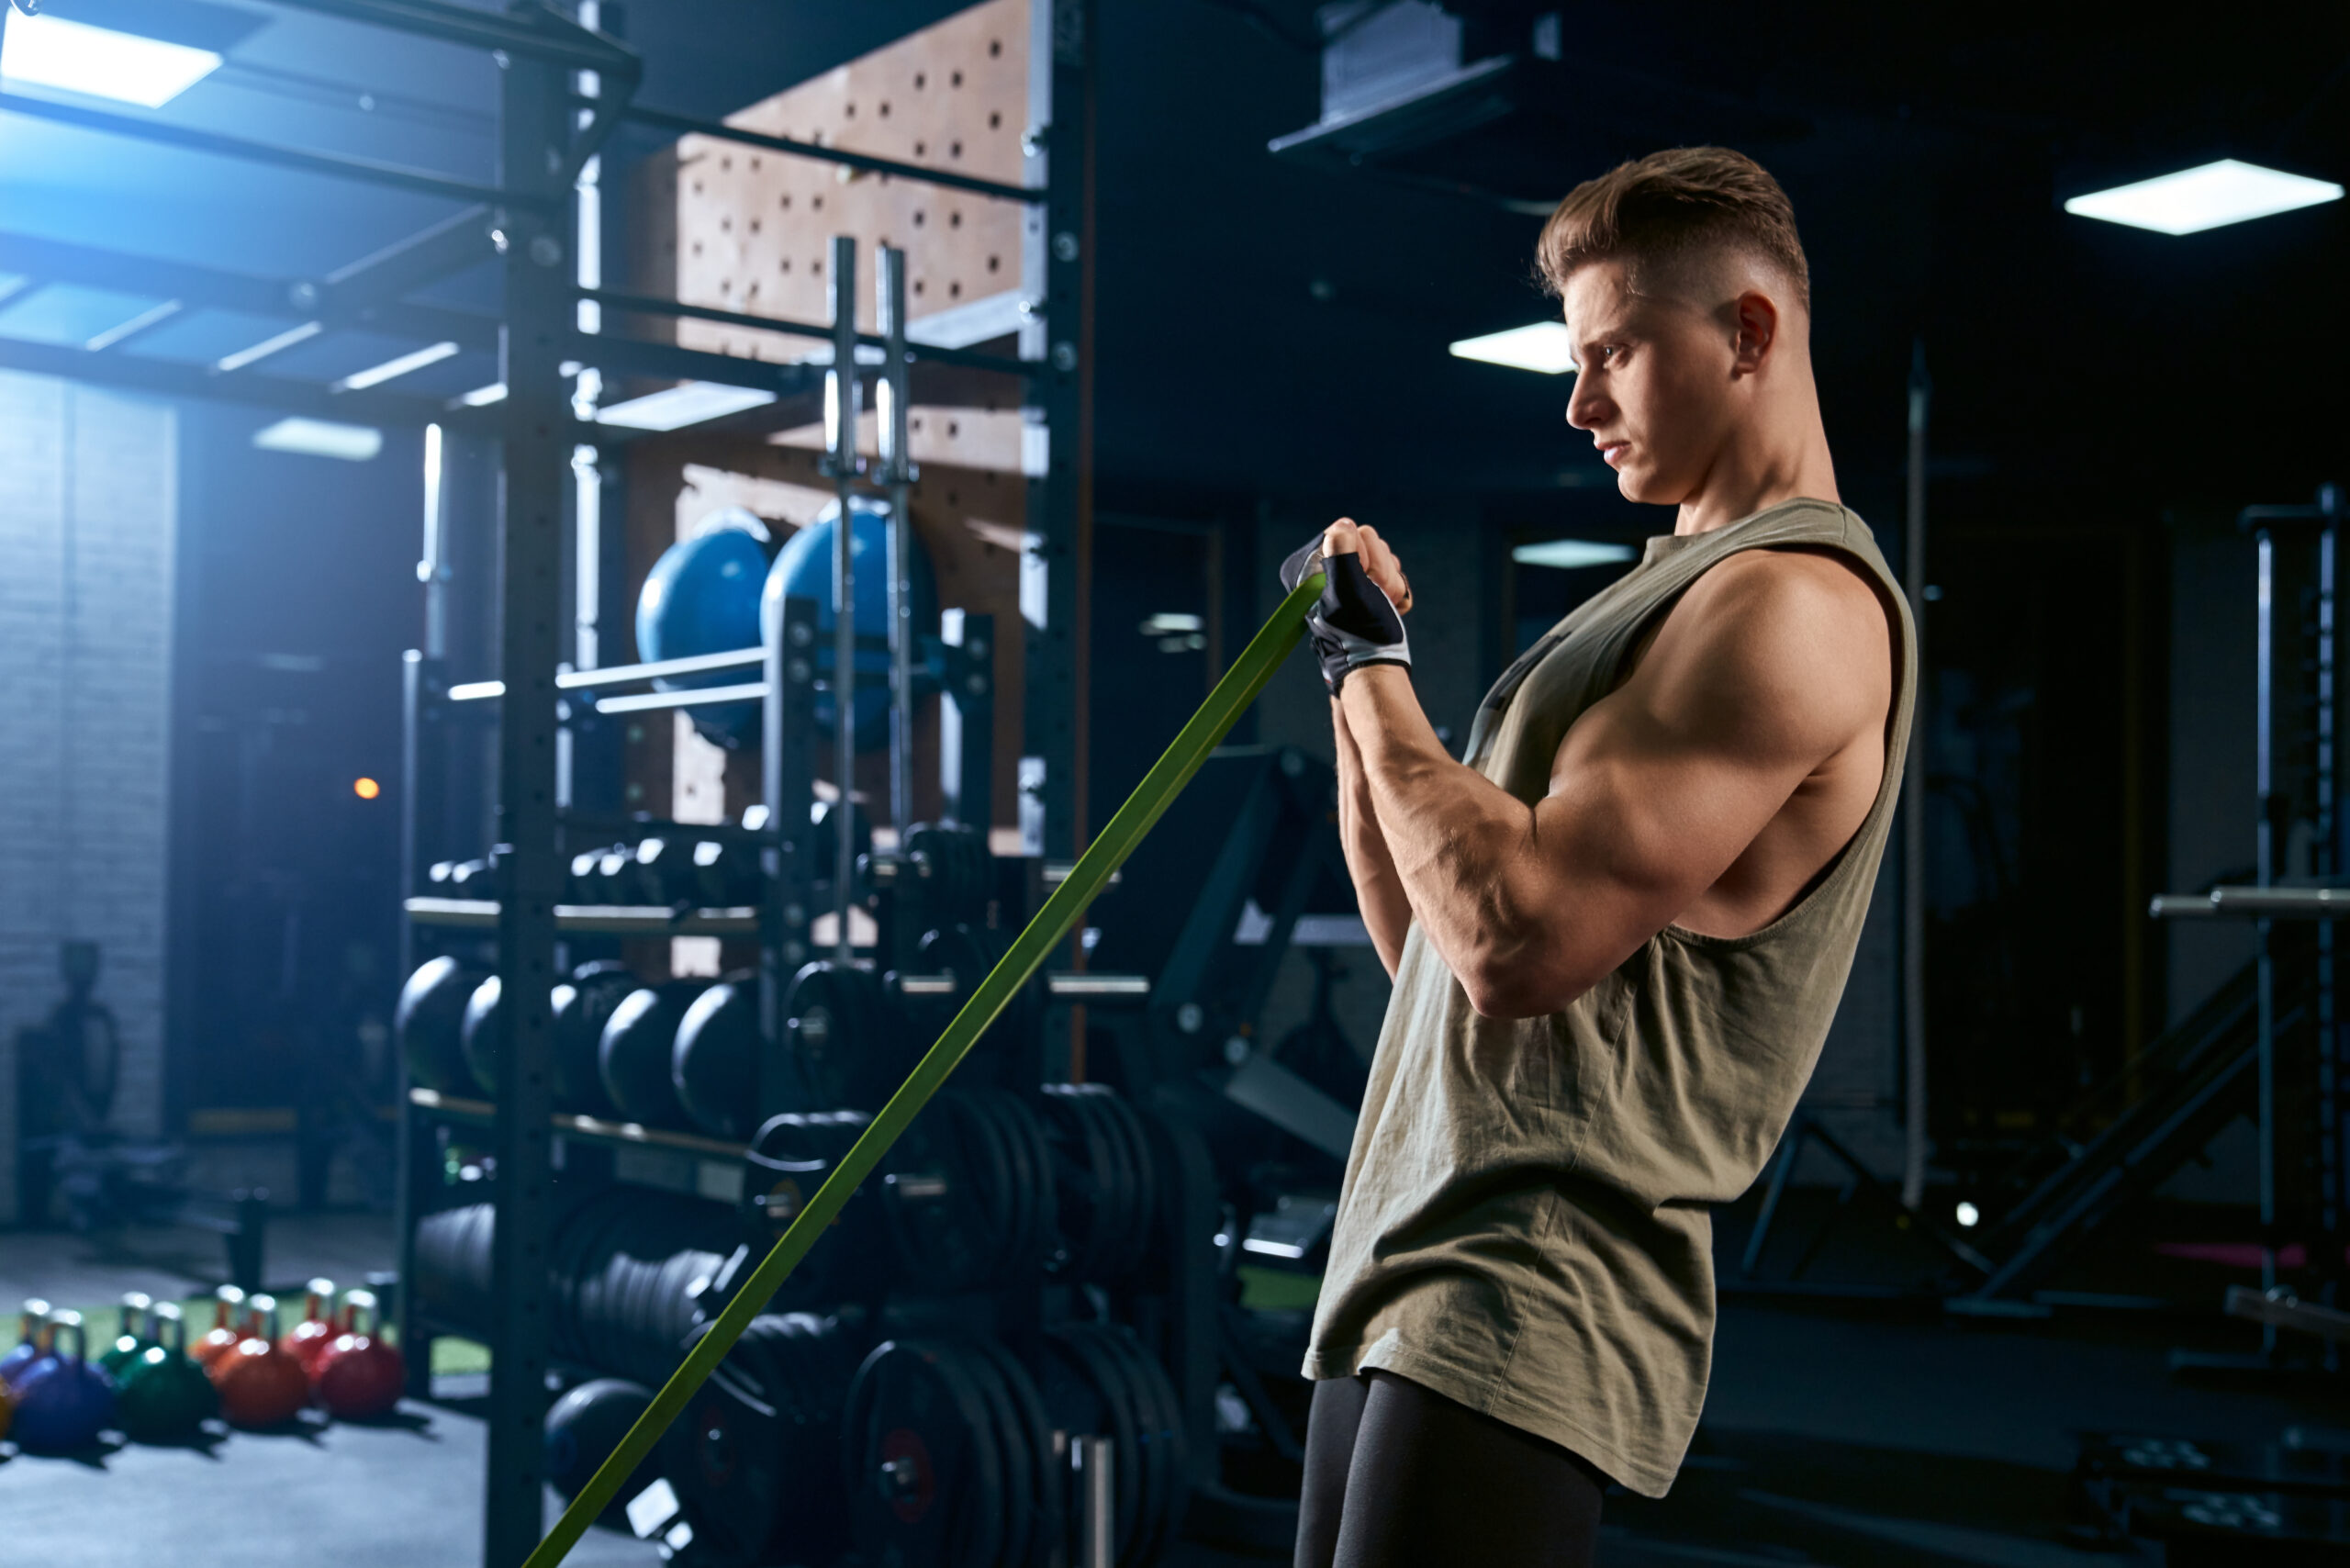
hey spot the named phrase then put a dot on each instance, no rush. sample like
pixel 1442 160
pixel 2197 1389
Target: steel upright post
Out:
pixel 1058 455
pixel 533 136
pixel 840 408
pixel 2265 859
pixel 897 472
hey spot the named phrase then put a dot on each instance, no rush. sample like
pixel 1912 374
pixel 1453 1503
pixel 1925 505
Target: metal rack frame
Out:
pixel 548 129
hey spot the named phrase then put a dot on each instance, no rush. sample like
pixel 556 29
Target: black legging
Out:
pixel 1397 1476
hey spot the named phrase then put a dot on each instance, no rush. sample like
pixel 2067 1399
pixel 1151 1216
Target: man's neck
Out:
pixel 1779 462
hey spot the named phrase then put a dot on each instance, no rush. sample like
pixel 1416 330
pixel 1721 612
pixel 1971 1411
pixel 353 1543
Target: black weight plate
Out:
pixel 1013 1443
pixel 1120 1190
pixel 826 1034
pixel 582 1008
pixel 633 1055
pixel 1031 1179
pixel 479 1038
pixel 1120 1423
pixel 1142 1228
pixel 1075 1186
pixel 723 1458
pixel 944 1238
pixel 909 1408
pixel 1037 1431
pixel 1160 1416
pixel 428 1024
pixel 984 1107
pixel 714 1060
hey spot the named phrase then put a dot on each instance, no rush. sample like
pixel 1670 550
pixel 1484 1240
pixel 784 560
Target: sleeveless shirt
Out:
pixel 1525 1226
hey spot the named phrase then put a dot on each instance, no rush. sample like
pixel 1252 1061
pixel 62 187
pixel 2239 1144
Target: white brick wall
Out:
pixel 88 505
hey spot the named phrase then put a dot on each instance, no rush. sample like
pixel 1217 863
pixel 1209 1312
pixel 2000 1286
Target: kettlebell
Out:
pixel 162 1397
pixel 359 1376
pixel 31 1348
pixel 259 1384
pixel 63 1400
pixel 135 1336
pixel 227 1326
pixel 309 1338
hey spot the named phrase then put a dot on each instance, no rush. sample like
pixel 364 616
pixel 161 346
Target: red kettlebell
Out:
pixel 317 1330
pixel 228 1328
pixel 31 1348
pixel 360 1376
pixel 63 1399
pixel 259 1384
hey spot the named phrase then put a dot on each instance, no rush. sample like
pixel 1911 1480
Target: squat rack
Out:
pixel 564 87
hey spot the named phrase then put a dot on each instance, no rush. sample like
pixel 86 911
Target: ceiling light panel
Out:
pixel 1546 346
pixel 2207 196
pixel 75 57
pixel 321 438
pixel 694 403
pixel 1569 553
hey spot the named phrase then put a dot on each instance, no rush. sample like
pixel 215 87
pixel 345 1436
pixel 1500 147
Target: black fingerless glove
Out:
pixel 1353 623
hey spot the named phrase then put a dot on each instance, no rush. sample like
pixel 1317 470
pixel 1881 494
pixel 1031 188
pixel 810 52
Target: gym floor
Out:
pixel 1865 1441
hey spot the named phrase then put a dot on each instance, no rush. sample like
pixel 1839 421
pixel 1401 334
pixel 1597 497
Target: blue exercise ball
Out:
pixel 804 570
pixel 702 597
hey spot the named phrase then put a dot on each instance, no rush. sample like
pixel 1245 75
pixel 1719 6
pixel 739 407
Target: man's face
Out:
pixel 1652 385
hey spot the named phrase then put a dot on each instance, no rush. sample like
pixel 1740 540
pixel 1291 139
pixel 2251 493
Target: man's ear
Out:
pixel 1755 316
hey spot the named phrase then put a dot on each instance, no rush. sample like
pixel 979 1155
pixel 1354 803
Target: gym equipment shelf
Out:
pixel 593 919
pixel 619 1135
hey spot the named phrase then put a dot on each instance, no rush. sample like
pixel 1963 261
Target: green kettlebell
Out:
pixel 137 1333
pixel 164 1396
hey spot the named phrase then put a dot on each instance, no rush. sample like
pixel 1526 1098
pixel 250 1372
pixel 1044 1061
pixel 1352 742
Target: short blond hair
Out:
pixel 1659 209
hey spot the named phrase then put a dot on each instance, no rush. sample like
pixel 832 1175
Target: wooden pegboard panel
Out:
pixel 750 230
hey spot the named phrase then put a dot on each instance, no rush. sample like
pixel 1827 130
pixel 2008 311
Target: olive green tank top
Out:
pixel 1525 1222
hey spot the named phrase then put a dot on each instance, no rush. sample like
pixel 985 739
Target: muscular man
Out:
pixel 1618 929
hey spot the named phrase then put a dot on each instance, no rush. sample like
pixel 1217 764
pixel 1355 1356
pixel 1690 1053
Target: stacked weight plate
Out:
pixel 621 1280
pixel 969 1191
pixel 1106 1183
pixel 754 1459
pixel 952 1458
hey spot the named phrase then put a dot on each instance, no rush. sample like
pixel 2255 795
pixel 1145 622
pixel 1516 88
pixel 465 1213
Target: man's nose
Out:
pixel 1586 408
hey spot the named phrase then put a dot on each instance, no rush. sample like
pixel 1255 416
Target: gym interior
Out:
pixel 434 516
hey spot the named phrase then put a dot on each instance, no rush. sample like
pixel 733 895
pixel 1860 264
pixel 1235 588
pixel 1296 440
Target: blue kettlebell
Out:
pixel 31 1348
pixel 63 1399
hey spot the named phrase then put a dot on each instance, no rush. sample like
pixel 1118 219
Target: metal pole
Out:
pixel 2264 853
pixel 1097 1533
pixel 841 399
pixel 2325 866
pixel 897 473
pixel 537 450
pixel 1913 806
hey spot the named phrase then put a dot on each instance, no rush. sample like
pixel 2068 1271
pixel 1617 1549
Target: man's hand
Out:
pixel 1359 619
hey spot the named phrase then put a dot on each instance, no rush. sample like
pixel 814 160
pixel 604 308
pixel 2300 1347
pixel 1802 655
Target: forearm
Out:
pixel 1460 846
pixel 1379 892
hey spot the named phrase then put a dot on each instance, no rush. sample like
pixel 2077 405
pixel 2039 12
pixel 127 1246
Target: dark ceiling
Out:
pixel 1271 328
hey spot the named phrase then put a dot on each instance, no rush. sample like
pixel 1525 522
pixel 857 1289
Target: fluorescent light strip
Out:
pixel 481 397
pixel 1569 553
pixel 693 403
pixel 360 380
pixel 262 351
pixel 75 57
pixel 139 323
pixel 321 438
pixel 1546 346
pixel 2207 196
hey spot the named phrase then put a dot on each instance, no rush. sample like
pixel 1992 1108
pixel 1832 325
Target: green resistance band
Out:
pixel 1241 683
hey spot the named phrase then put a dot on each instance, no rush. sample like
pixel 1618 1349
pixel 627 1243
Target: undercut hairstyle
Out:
pixel 1656 212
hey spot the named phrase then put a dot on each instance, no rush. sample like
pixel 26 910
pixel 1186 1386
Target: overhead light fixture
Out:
pixel 1546 346
pixel 266 347
pixel 693 403
pixel 75 57
pixel 1570 553
pixel 321 438
pixel 1169 623
pixel 2204 198
pixel 481 397
pixel 376 376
